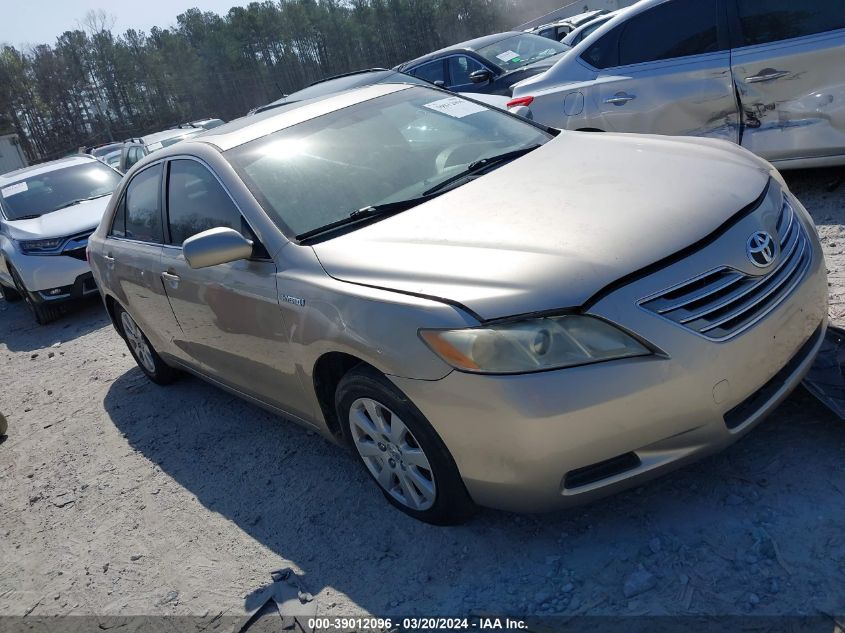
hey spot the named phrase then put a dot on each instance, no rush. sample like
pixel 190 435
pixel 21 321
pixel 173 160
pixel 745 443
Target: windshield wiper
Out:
pixel 27 217
pixel 366 213
pixel 481 165
pixel 79 201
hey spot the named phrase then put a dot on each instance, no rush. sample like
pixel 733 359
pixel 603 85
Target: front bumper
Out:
pixel 542 441
pixel 83 286
pixel 55 277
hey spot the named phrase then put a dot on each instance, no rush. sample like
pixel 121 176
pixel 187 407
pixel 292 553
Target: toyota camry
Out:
pixel 487 311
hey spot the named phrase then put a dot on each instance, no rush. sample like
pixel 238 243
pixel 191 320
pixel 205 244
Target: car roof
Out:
pixel 469 45
pixel 43 168
pixel 601 19
pixel 249 128
pixel 324 86
pixel 574 20
pixel 157 137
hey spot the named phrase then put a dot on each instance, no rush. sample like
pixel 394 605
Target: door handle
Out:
pixel 766 75
pixel 170 278
pixel 620 99
pixel 109 259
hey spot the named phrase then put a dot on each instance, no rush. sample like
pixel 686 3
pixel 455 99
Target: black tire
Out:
pixel 10 294
pixel 43 313
pixel 148 360
pixel 452 504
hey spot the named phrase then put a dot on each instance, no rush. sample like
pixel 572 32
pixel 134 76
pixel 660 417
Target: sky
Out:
pixel 41 21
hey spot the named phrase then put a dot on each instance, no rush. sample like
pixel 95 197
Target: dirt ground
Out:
pixel 119 497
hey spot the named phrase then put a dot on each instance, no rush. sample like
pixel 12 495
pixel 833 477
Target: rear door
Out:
pixel 789 66
pixel 231 323
pixel 666 71
pixel 132 257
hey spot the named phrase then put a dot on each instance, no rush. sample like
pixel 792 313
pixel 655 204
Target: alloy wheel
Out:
pixel 137 342
pixel 392 454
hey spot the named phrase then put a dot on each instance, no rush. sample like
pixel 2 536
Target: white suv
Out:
pixel 47 213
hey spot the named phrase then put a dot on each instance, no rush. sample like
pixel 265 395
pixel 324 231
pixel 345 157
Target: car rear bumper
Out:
pixel 542 441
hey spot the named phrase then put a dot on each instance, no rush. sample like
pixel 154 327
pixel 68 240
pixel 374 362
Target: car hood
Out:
pixel 79 218
pixel 551 229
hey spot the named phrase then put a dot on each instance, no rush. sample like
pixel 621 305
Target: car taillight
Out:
pixel 520 101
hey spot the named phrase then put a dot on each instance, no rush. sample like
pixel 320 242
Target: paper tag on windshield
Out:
pixel 11 190
pixel 455 107
pixel 508 56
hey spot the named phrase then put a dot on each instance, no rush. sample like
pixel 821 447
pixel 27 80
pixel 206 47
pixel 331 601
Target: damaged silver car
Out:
pixel 766 74
pixel 488 311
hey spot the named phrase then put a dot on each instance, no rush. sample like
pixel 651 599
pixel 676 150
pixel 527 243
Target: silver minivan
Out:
pixel 767 74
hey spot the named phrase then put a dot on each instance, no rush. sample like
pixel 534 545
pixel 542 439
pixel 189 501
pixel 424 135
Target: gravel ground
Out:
pixel 122 498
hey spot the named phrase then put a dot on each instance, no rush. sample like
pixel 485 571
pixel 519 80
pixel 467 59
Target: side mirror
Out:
pixel 216 246
pixel 481 76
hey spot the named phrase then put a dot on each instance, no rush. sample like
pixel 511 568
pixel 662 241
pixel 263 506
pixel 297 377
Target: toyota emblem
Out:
pixel 761 249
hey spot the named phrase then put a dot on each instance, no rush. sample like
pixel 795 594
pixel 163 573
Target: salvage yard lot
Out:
pixel 123 498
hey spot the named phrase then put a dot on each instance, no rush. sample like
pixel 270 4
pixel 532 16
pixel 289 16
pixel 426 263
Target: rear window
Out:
pixel 57 189
pixel 681 28
pixel 764 21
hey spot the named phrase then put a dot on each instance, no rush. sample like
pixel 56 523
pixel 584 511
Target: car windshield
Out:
pixel 99 152
pixel 520 50
pixel 385 150
pixel 112 158
pixel 57 189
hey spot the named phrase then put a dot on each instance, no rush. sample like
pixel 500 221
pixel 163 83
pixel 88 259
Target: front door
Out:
pixel 666 71
pixel 789 68
pixel 232 328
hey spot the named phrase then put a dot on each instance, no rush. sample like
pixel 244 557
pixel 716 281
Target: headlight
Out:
pixel 41 246
pixel 532 345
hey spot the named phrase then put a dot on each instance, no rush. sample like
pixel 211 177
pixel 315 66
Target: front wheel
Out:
pixel 400 450
pixel 143 352
pixel 10 294
pixel 43 313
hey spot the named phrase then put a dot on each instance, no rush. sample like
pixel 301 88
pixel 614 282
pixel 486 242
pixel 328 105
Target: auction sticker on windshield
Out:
pixel 455 107
pixel 11 190
pixel 508 56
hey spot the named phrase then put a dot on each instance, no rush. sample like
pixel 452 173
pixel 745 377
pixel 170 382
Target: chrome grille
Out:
pixel 724 302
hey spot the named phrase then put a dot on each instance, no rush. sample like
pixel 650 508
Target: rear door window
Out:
pixel 118 225
pixel 764 21
pixel 196 202
pixel 143 206
pixel 680 28
pixel 431 72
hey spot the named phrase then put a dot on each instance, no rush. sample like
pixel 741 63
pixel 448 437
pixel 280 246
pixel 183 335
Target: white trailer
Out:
pixel 11 154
